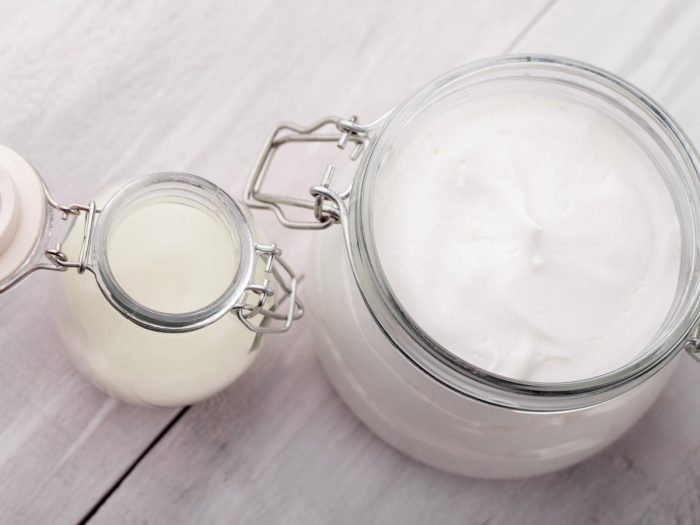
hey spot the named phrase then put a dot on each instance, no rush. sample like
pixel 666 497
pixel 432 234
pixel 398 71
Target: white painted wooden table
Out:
pixel 98 92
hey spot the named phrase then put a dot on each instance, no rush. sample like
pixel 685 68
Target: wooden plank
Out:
pixel 95 93
pixel 279 447
pixel 63 443
pixel 90 95
pixel 267 449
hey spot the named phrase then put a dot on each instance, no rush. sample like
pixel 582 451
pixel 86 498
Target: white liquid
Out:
pixel 530 236
pixel 171 257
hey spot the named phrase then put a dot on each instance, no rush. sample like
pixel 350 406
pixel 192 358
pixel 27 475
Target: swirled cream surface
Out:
pixel 530 235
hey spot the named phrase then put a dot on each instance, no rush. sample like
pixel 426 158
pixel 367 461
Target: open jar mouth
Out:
pixel 194 193
pixel 653 129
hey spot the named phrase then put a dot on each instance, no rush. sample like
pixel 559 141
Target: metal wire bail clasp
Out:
pixel 692 346
pixel 55 259
pixel 281 279
pixel 330 129
pixel 56 255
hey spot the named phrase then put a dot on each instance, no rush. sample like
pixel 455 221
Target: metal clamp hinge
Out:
pixel 280 286
pixel 692 346
pixel 329 129
pixel 57 256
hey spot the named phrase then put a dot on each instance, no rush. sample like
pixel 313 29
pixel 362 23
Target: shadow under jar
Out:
pixel 391 343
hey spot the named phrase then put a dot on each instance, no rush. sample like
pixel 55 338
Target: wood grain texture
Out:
pixel 96 93
pixel 281 448
pixel 93 93
pixel 62 443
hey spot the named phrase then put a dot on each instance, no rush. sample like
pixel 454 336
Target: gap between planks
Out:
pixel 108 493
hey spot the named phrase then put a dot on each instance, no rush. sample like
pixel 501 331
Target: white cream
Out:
pixel 530 235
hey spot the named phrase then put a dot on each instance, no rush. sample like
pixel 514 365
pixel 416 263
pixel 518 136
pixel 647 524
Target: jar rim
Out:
pixel 438 362
pixel 193 188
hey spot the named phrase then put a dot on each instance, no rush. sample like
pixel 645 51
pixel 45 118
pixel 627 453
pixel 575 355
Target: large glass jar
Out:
pixel 418 395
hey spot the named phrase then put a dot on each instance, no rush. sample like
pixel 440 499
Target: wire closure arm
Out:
pixel 54 259
pixel 328 208
pixel 274 318
pixel 329 129
pixel 56 255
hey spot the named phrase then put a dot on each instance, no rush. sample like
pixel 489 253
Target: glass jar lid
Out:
pixel 23 216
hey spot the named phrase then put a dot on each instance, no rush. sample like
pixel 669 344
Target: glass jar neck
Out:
pixel 661 133
pixel 190 191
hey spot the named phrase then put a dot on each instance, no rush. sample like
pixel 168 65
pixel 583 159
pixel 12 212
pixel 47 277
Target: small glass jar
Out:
pixel 182 291
pixel 416 394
